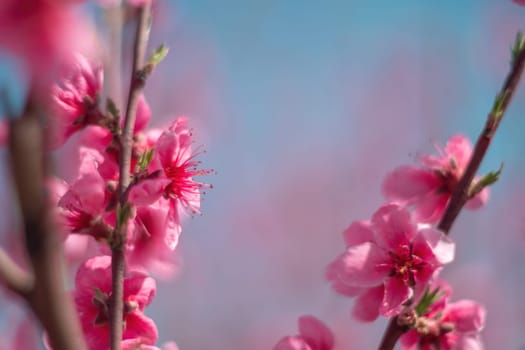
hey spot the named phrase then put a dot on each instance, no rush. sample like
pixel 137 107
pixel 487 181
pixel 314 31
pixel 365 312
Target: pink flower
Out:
pixel 153 239
pixel 387 261
pixel 75 101
pixel 454 326
pixel 519 2
pixel 42 32
pixel 428 189
pixel 100 139
pixel 176 161
pixel 92 291
pixel 313 335
pixel 83 207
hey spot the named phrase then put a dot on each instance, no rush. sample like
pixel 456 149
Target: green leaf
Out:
pixel 486 180
pixel 519 44
pixel 497 108
pixel 112 109
pixel 158 55
pixel 145 159
pixel 429 298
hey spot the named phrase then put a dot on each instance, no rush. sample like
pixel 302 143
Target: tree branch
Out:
pixel 13 277
pixel 461 194
pixel 126 145
pixel 47 296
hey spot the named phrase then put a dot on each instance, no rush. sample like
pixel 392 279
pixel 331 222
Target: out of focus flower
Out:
pixel 313 335
pixel 454 326
pixel 387 261
pixel 92 293
pixel 83 207
pixel 75 100
pixel 428 189
pixel 153 240
pixel 42 32
pixel 519 2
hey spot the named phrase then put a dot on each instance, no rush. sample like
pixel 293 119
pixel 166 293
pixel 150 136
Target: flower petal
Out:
pixel 364 265
pixel 407 182
pixel 393 226
pixel 433 246
pixel 396 293
pixel 478 200
pixel 317 334
pixel 467 315
pixel 366 306
pixel 358 232
pixel 459 147
pixel 292 343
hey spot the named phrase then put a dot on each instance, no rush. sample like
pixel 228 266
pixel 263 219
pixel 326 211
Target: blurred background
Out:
pixel 303 107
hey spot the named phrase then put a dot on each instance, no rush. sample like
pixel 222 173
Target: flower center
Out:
pixel 404 264
pixel 182 186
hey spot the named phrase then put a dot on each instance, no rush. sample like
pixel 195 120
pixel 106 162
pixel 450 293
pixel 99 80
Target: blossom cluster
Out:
pixel 390 260
pixel 162 192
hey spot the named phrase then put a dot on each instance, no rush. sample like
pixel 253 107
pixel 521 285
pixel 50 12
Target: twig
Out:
pixel 126 144
pixel 461 193
pixel 46 295
pixel 115 20
pixel 13 277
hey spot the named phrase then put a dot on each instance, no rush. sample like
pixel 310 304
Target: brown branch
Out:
pixel 13 277
pixel 46 296
pixel 126 145
pixel 461 193
pixel 115 20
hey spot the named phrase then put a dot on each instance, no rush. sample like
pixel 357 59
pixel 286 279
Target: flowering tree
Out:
pixel 122 215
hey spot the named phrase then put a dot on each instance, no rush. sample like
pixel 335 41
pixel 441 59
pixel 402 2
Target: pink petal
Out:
pixel 94 273
pixel 366 306
pixel 86 194
pixel 469 342
pixel 479 200
pixel 396 293
pixel 467 315
pixel 358 232
pixel 139 288
pixel 96 137
pixel 430 209
pixel 138 326
pixel 147 191
pixel 292 343
pixel 89 160
pixel 434 247
pixel 170 346
pixel 319 336
pixel 393 226
pixel 364 265
pixel 332 274
pixel 407 182
pixel 143 115
pixel 409 340
pixel 56 188
pixel 459 147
